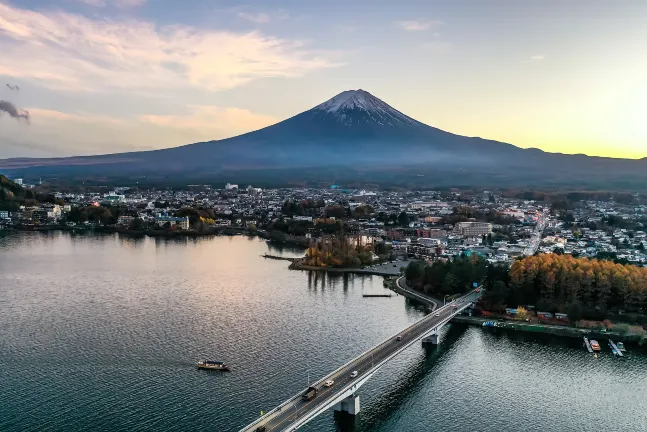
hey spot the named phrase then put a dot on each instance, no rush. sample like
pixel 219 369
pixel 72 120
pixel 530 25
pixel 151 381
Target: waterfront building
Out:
pixel 180 222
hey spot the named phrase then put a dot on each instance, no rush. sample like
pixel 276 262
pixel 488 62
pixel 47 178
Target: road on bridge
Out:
pixel 282 420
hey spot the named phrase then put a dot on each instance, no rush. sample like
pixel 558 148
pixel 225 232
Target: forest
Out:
pixel 12 196
pixel 562 283
pixel 447 277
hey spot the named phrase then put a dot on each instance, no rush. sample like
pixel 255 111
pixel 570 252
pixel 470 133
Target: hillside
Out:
pixel 353 137
pixel 13 195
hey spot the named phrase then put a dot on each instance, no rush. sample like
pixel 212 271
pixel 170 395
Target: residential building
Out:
pixel 181 222
pixel 473 229
pixel 125 220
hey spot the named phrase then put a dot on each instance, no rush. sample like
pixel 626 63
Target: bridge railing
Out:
pixel 298 396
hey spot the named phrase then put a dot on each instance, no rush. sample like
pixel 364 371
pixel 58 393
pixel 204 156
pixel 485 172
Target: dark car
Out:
pixel 261 429
pixel 399 338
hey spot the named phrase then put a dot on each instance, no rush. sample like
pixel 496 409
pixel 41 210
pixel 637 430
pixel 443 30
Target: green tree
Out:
pixel 136 224
pixel 403 219
pixel 415 271
pixel 575 312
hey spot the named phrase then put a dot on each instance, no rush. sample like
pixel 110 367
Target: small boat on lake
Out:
pixel 620 346
pixel 213 365
pixel 595 346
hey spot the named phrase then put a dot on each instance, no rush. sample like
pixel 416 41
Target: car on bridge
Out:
pixel 353 374
pixel 329 383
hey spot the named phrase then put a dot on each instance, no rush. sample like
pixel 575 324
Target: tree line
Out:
pixel 447 277
pixel 562 283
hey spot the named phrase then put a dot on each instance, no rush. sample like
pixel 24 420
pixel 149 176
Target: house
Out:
pixel 125 220
pixel 180 222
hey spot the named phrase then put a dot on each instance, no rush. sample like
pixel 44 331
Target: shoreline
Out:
pixel 550 329
pixel 213 231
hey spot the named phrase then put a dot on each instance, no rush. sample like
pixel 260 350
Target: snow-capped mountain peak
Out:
pixel 351 104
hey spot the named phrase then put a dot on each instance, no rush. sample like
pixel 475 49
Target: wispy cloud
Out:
pixel 123 4
pixel 419 25
pixel 258 17
pixel 537 58
pixel 68 51
pixel 212 122
pixel 77 133
pixel 47 114
pixel 262 17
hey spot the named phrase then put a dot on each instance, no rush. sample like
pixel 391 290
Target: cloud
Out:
pixel 211 122
pixel 419 25
pixel 59 133
pixel 82 117
pixel 259 18
pixel 262 17
pixel 537 58
pixel 73 52
pixel 9 108
pixel 123 4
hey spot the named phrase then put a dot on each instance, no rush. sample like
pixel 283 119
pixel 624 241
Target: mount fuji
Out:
pixel 352 137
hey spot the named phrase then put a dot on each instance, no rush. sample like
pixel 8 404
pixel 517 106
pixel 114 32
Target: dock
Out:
pixel 376 295
pixel 588 345
pixel 615 349
pixel 276 257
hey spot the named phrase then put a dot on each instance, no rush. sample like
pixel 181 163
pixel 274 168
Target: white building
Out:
pixel 181 222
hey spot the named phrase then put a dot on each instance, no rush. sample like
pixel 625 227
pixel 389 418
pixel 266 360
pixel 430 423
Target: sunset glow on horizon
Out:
pixel 106 76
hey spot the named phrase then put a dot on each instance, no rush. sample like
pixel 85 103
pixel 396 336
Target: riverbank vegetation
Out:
pixel 344 252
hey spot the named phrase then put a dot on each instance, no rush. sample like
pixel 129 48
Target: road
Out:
pixel 404 290
pixel 363 365
pixel 536 238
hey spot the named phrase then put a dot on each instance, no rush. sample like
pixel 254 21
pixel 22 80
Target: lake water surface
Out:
pixel 102 333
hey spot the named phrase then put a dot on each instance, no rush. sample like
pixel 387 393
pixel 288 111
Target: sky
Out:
pixel 107 76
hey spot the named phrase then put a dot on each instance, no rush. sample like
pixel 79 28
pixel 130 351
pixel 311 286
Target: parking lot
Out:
pixel 389 268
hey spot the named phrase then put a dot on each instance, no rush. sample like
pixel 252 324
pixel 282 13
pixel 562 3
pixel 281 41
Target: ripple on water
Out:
pixel 102 333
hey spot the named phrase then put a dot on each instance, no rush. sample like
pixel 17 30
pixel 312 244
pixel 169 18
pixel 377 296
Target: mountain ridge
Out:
pixel 353 129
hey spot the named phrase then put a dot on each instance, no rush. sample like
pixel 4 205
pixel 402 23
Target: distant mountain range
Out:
pixel 354 138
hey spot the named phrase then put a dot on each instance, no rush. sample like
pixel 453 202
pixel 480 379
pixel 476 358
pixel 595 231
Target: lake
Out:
pixel 102 333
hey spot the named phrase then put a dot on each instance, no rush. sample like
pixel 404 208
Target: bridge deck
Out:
pixel 295 412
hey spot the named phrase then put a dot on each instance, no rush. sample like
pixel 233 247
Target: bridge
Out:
pixel 342 395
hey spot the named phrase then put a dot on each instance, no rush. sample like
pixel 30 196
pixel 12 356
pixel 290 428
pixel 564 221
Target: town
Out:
pixel 499 226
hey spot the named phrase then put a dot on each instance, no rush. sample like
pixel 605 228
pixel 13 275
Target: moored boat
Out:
pixel 213 365
pixel 595 346
pixel 621 346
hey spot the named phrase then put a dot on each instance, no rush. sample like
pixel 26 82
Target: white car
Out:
pixel 353 374
pixel 437 314
pixel 329 383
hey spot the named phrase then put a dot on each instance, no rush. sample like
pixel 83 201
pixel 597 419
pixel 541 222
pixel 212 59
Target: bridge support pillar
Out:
pixel 349 405
pixel 432 340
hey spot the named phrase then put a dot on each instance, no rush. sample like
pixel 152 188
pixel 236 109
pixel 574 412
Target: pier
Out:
pixel 276 257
